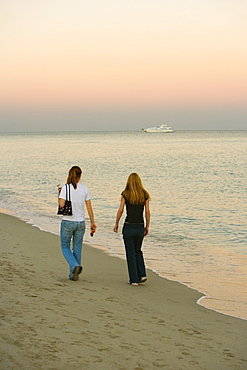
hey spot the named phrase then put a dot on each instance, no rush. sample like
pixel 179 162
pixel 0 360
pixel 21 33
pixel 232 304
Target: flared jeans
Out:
pixel 133 235
pixel 71 230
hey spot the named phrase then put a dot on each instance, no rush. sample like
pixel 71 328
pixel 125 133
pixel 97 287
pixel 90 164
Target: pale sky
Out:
pixel 111 65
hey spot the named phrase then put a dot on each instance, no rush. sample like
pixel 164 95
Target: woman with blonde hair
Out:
pixel 136 199
pixel 73 227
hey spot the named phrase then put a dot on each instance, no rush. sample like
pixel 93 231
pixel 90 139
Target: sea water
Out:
pixel 197 181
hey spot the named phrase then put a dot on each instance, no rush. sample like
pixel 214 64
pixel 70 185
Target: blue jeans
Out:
pixel 75 231
pixel 133 235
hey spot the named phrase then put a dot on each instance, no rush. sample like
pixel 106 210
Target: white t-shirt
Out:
pixel 78 197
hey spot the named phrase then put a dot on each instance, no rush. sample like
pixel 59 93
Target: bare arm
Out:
pixel 119 214
pixel 147 216
pixel 90 214
pixel 61 201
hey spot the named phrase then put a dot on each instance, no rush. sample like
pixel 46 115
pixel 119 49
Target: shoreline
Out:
pixel 109 252
pixel 100 321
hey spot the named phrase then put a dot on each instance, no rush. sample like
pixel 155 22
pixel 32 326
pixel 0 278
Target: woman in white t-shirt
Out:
pixel 73 227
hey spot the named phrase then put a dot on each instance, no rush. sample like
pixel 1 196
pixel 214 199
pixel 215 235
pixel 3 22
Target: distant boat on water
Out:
pixel 161 128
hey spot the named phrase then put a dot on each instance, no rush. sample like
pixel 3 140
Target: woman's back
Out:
pixel 78 197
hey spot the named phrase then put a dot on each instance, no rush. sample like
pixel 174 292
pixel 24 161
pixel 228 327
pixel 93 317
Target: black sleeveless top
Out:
pixel 134 212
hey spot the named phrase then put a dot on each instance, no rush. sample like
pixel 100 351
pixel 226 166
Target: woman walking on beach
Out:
pixel 73 227
pixel 136 199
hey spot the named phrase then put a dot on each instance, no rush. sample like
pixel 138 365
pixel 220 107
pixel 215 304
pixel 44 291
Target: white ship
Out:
pixel 161 128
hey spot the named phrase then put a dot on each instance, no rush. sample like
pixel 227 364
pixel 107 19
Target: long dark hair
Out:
pixel 134 191
pixel 74 176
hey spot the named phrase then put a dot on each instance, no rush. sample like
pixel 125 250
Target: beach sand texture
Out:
pixel 100 321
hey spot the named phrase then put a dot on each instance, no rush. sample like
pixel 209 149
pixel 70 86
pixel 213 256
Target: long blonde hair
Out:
pixel 74 176
pixel 134 191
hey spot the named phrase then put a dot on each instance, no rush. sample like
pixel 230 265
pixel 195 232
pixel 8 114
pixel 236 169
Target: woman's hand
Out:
pixel 93 227
pixel 115 229
pixel 145 231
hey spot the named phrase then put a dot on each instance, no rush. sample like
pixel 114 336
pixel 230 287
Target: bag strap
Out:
pixel 69 192
pixel 66 192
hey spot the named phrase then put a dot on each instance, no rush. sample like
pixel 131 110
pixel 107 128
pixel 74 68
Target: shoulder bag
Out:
pixel 67 209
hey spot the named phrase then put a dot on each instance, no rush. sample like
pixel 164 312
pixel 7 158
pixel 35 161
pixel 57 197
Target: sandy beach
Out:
pixel 100 321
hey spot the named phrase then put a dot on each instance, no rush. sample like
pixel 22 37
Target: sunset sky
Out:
pixel 111 65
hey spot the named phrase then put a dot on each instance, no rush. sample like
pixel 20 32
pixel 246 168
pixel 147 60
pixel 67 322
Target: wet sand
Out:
pixel 100 321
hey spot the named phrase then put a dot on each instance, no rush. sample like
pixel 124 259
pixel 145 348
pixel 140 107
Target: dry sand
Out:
pixel 100 321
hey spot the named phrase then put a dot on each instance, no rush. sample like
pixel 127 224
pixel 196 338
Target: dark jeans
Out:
pixel 133 235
